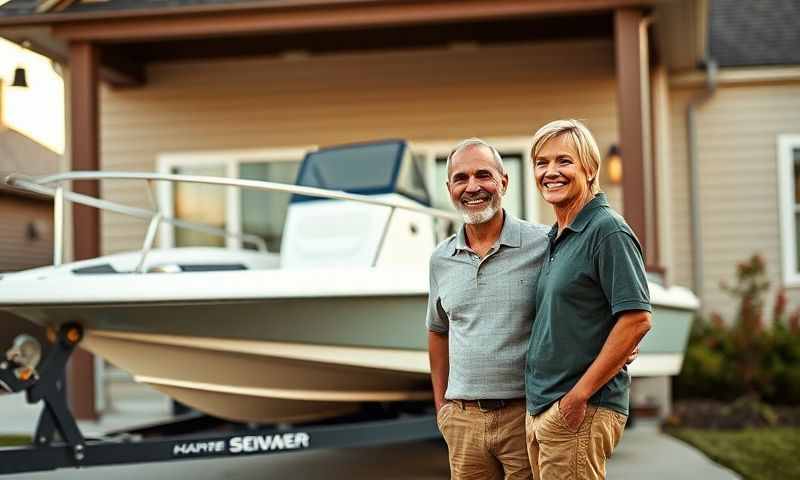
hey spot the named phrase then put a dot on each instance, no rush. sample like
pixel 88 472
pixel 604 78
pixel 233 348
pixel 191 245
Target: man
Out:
pixel 480 312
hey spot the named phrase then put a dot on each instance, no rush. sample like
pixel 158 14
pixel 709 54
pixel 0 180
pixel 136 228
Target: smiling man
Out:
pixel 479 317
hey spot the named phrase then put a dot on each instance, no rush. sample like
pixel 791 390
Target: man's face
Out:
pixel 475 184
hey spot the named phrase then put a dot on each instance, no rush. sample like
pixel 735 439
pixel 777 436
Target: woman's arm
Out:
pixel 629 330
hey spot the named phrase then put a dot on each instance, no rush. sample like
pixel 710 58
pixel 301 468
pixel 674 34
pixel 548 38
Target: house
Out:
pixel 26 236
pixel 700 97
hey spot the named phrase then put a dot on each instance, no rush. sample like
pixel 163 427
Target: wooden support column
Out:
pixel 630 50
pixel 85 154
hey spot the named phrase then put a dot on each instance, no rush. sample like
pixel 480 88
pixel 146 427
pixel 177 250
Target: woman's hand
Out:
pixel 573 410
pixel 632 356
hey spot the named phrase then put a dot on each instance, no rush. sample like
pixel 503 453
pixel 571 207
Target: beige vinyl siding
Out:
pixel 17 250
pixel 680 223
pixel 421 95
pixel 737 133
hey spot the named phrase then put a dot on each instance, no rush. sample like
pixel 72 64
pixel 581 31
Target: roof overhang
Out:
pixel 115 31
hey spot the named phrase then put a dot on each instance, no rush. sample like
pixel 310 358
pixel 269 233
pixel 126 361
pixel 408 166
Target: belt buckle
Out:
pixel 489 405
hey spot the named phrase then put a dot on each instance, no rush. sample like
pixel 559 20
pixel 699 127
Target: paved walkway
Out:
pixel 644 453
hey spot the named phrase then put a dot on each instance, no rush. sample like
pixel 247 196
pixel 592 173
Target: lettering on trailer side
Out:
pixel 268 443
pixel 244 444
pixel 197 448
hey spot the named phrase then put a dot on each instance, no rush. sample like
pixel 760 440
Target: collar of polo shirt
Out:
pixel 510 235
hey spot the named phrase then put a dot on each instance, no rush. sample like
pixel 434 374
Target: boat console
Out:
pixel 325 232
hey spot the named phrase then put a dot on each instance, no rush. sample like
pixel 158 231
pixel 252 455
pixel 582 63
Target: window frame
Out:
pixel 788 208
pixel 442 148
pixel 230 160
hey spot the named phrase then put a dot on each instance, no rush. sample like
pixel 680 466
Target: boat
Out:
pixel 333 322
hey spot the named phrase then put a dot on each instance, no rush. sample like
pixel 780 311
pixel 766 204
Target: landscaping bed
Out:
pixel 755 453
pixel 756 440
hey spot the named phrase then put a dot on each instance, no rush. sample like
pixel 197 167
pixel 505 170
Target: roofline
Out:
pixel 739 75
pixel 541 6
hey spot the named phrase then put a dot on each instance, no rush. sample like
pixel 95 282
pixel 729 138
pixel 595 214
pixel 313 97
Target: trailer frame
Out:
pixel 59 443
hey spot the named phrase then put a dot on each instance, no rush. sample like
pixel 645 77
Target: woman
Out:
pixel 592 310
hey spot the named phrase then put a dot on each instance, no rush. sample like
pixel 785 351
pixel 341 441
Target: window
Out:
pixel 518 201
pixel 199 203
pixel 789 183
pixel 264 213
pixel 421 176
pixel 235 210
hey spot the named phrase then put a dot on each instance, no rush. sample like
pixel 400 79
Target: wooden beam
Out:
pixel 339 15
pixel 629 49
pixel 121 71
pixel 527 29
pixel 85 155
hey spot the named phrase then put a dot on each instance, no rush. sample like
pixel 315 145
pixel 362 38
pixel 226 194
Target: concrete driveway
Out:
pixel 643 453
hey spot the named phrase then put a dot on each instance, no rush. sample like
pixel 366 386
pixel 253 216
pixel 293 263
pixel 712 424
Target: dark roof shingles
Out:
pixel 28 7
pixel 752 33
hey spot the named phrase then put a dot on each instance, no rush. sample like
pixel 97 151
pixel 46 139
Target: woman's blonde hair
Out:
pixel 582 139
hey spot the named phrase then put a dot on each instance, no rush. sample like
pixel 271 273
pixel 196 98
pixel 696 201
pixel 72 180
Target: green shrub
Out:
pixel 747 357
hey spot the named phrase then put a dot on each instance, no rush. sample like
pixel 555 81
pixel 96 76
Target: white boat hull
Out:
pixel 265 382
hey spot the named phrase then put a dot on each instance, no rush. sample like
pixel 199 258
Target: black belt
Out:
pixel 488 404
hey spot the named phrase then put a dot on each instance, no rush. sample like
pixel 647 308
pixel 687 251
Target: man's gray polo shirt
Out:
pixel 486 308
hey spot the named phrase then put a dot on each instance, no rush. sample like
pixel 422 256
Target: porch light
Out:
pixel 20 78
pixel 614 165
pixel 20 75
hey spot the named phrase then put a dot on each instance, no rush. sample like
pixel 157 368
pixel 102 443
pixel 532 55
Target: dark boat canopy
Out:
pixel 374 168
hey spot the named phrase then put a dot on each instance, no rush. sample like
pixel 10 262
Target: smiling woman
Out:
pixel 592 309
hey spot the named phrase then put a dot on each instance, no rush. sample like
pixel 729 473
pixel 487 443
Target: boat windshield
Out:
pixel 367 169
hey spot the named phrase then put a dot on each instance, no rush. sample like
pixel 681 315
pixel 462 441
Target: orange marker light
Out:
pixel 73 335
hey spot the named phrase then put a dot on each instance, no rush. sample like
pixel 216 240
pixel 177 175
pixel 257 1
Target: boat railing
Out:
pixel 53 186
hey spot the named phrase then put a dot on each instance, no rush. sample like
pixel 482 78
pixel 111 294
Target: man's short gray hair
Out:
pixel 475 142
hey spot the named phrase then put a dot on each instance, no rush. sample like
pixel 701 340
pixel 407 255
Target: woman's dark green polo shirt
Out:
pixel 592 273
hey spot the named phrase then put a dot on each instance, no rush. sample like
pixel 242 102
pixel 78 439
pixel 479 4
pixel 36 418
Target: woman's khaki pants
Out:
pixel 557 453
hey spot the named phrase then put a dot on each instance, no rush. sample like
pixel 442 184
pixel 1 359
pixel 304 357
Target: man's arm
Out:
pixel 438 351
pixel 629 330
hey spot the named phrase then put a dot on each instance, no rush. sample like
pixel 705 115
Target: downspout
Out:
pixel 694 174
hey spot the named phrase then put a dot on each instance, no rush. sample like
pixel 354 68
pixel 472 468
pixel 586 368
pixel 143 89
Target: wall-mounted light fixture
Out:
pixel 20 75
pixel 613 163
pixel 32 232
pixel 20 78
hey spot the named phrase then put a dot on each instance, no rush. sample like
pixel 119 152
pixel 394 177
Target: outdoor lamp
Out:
pixel 20 78
pixel 614 165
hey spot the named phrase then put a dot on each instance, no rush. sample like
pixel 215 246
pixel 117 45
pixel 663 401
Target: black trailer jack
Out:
pixel 59 443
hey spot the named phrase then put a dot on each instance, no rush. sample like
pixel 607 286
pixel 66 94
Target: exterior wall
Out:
pixel 17 250
pixel 737 145
pixel 421 95
pixel 680 222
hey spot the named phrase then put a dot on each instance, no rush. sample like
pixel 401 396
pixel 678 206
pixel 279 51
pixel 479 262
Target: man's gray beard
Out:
pixel 480 217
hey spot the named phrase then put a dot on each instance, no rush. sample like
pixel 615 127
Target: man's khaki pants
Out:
pixel 557 452
pixel 485 444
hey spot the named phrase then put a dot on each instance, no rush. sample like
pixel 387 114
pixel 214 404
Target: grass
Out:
pixel 13 440
pixel 756 454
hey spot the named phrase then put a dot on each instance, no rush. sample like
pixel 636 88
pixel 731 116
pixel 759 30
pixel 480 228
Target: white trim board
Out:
pixel 787 208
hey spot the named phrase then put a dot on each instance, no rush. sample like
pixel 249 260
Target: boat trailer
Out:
pixel 59 443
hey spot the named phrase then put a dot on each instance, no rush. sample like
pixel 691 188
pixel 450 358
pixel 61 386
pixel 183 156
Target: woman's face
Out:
pixel 560 178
